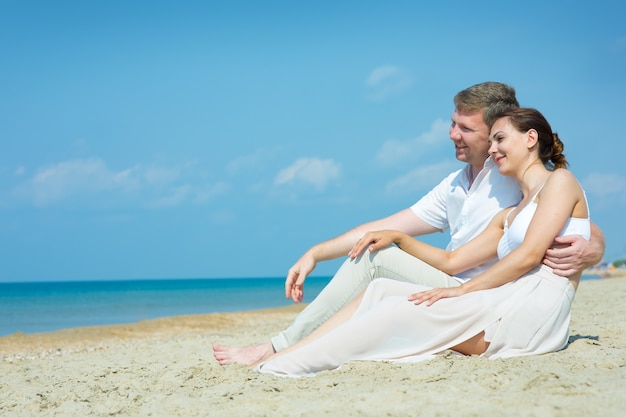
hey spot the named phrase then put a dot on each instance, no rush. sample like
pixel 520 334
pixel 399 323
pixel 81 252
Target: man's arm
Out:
pixel 405 220
pixel 571 255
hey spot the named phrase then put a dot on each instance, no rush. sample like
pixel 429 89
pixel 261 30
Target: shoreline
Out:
pixel 165 367
pixel 84 338
pixel 55 323
pixel 49 306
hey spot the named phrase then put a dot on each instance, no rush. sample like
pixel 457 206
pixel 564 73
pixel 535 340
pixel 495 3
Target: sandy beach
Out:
pixel 165 367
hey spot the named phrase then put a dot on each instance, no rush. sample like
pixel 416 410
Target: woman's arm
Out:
pixel 571 255
pixel 479 250
pixel 558 199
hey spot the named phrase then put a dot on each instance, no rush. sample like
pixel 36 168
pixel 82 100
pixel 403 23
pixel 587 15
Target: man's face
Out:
pixel 470 135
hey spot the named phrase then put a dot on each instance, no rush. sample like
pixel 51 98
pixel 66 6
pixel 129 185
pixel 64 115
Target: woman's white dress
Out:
pixel 530 315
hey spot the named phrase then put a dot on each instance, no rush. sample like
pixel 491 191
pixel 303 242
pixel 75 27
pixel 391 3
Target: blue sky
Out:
pixel 189 139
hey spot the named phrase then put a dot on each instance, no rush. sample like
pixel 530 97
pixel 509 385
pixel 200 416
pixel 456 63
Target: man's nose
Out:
pixel 455 133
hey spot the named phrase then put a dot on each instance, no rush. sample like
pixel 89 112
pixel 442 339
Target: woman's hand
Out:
pixel 431 296
pixel 374 241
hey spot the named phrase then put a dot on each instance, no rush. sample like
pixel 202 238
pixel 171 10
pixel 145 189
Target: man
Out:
pixel 463 202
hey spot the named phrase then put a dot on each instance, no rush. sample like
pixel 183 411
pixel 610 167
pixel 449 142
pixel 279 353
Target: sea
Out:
pixel 36 307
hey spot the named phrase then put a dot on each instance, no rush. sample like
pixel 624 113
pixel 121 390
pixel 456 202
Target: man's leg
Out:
pixel 351 279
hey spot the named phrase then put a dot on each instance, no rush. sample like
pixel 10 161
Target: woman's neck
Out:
pixel 532 178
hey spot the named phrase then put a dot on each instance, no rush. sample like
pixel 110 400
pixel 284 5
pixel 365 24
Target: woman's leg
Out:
pixel 473 346
pixel 340 317
pixel 351 279
pixel 374 293
pixel 388 326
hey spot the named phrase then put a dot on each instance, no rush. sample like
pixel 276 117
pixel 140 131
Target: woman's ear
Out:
pixel 532 137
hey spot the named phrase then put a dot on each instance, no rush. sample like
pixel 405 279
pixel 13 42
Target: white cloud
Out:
pixel 250 162
pixel 387 81
pixel 606 185
pixel 421 178
pixel 314 171
pixel 91 181
pixel 210 191
pixel 160 175
pixel 179 194
pixel 380 74
pixel 81 176
pixel 223 217
pixel 175 196
pixel 394 151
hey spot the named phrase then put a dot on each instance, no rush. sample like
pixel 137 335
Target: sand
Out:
pixel 165 367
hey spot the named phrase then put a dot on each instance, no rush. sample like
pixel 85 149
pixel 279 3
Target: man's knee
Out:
pixel 379 257
pixel 382 263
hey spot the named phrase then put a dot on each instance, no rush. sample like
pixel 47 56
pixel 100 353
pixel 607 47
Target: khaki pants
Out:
pixel 351 279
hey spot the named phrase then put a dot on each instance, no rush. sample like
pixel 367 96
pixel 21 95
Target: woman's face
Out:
pixel 507 146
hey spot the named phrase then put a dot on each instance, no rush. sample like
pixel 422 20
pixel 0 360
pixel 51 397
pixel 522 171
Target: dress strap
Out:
pixel 506 219
pixel 537 193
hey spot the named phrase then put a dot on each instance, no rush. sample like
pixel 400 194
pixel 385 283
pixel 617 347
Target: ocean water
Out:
pixel 48 306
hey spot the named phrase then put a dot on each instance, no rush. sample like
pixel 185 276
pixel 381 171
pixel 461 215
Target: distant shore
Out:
pixel 607 272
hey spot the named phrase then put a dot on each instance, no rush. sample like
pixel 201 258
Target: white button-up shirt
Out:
pixel 466 211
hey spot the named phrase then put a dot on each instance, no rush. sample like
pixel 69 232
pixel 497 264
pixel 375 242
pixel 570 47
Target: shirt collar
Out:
pixel 489 163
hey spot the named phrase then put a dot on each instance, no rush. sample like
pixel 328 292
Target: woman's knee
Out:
pixel 476 345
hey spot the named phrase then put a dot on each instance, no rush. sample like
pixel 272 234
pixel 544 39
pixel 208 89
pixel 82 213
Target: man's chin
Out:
pixel 461 157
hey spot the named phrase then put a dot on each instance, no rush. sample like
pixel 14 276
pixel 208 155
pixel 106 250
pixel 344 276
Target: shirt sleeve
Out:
pixel 432 208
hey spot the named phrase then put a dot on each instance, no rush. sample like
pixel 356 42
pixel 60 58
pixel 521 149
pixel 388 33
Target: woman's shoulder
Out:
pixel 562 176
pixel 563 183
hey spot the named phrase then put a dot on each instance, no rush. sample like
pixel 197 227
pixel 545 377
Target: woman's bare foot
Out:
pixel 246 355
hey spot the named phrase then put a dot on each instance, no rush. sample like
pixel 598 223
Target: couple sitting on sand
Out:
pixel 520 238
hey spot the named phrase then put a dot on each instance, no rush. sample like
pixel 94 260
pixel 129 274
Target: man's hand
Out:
pixel 431 296
pixel 570 255
pixel 294 284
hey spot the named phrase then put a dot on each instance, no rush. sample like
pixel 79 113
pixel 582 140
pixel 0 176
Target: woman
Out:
pixel 516 307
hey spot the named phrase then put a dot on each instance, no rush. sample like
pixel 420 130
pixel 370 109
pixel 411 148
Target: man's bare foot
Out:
pixel 246 355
